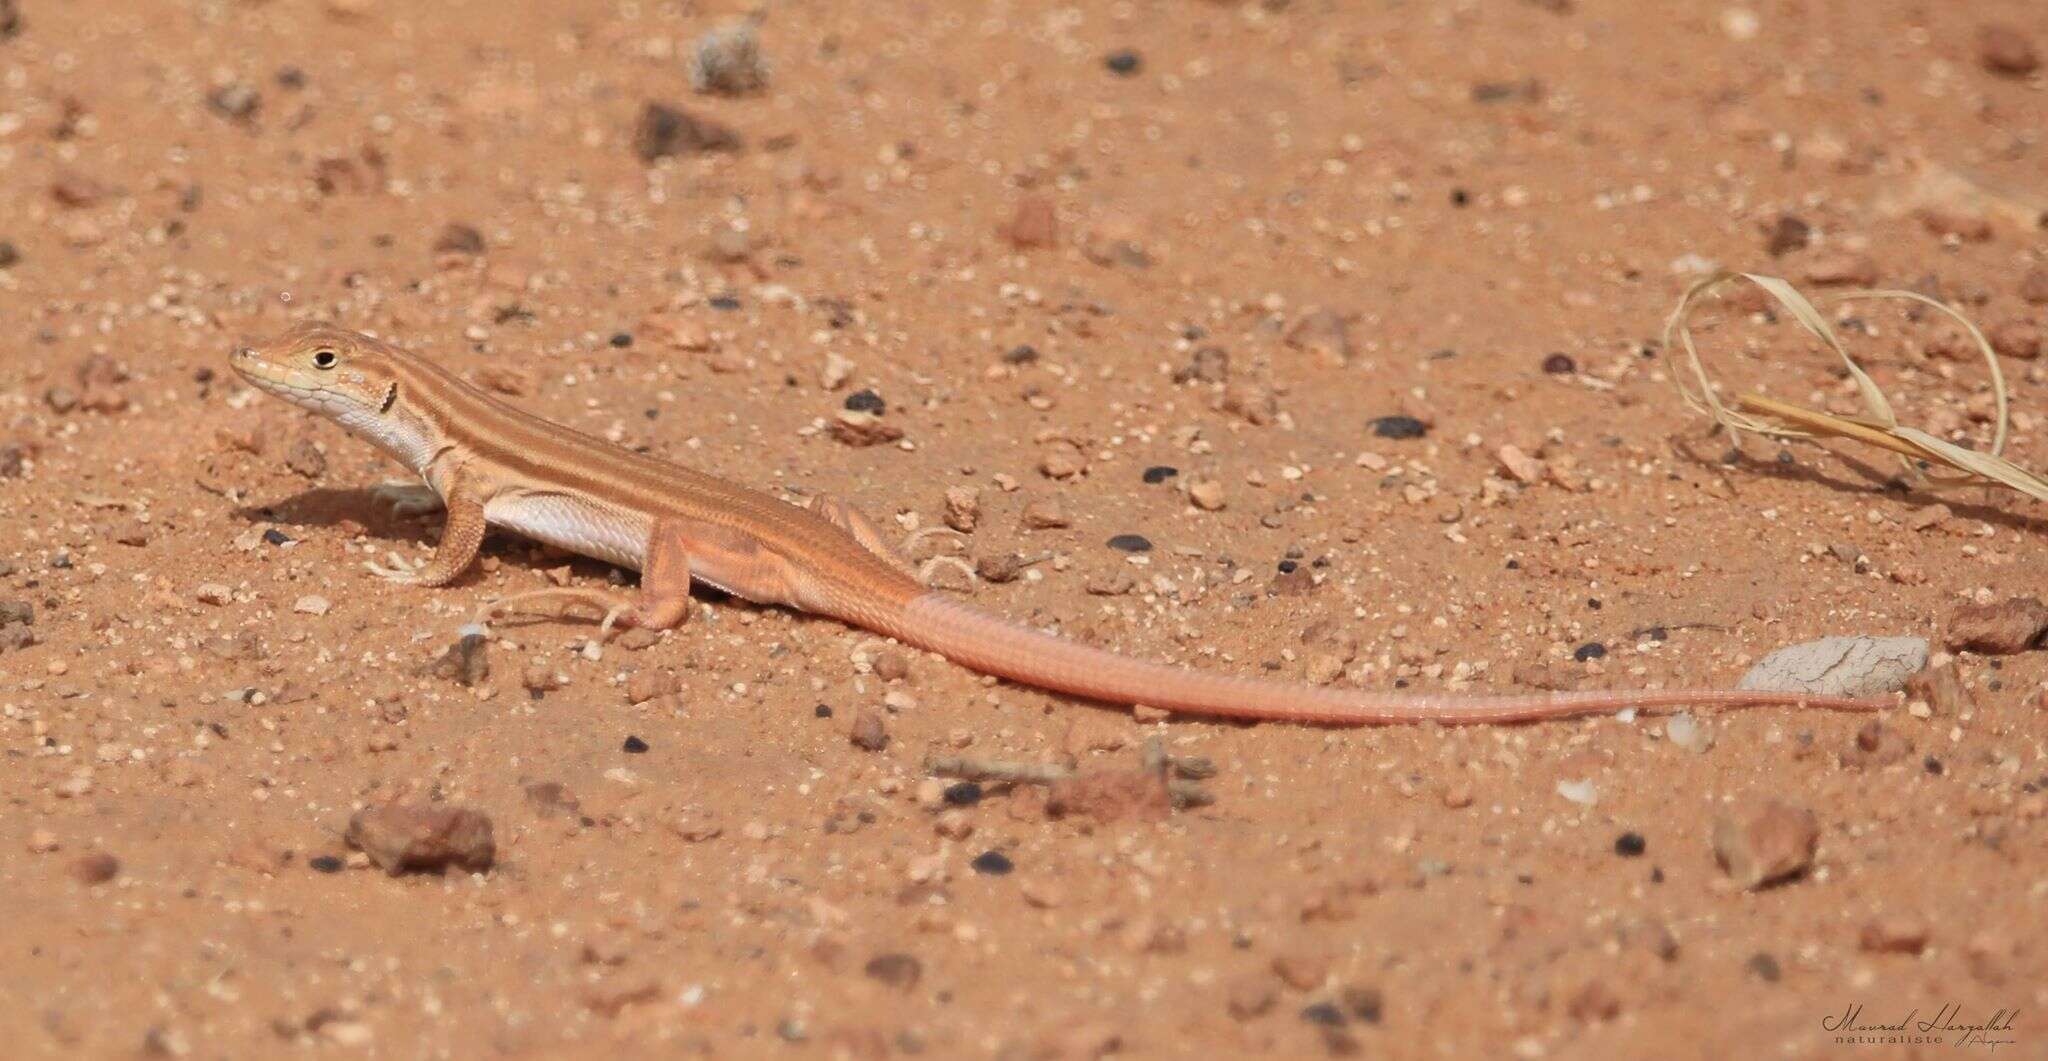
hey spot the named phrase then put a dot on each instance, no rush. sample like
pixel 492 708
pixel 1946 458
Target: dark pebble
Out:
pixel 1324 1013
pixel 1022 354
pixel 1560 365
pixel 1933 766
pixel 1460 197
pixel 634 746
pixel 9 256
pixel 993 863
pixel 866 401
pixel 291 77
pixel 1657 633
pixel 1131 543
pixel 1365 1003
pixel 1786 234
pixel 275 537
pixel 1159 473
pixel 1764 966
pixel 324 864
pixel 725 302
pixel 663 131
pixel 900 971
pixel 1288 567
pixel 622 340
pixel 1123 62
pixel 1514 565
pixel 822 711
pixel 1629 845
pixel 1589 650
pixel 1398 427
pixel 964 794
pixel 1593 603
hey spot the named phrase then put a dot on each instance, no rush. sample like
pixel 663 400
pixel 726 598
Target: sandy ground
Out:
pixel 1018 226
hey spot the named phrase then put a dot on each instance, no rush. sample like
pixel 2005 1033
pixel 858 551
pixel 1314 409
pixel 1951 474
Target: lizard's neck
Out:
pixel 409 436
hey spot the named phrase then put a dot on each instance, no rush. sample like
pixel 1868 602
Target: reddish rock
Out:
pixel 2003 49
pixel 2008 626
pixel 1034 225
pixel 1770 842
pixel 2016 338
pixel 1942 688
pixel 1110 795
pixel 1841 269
pixel 1894 934
pixel 403 837
pixel 95 868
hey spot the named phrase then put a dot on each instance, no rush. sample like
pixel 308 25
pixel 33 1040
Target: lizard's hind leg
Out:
pixel 663 602
pixel 849 519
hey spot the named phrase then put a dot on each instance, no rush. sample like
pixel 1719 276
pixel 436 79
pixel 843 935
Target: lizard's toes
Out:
pixel 396 572
pixel 407 499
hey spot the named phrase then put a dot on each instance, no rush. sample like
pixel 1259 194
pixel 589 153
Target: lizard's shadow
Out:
pixel 327 507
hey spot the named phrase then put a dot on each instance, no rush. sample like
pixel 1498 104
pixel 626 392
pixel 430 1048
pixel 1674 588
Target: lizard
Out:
pixel 489 463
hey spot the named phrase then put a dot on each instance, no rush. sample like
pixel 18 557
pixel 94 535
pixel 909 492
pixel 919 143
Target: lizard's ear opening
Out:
pixel 390 398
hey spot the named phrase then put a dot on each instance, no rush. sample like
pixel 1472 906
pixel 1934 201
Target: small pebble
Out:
pixel 1629 845
pixel 1159 473
pixel 1591 650
pixel 1560 365
pixel 993 863
pixel 1131 543
pixel 727 61
pixel 964 794
pixel 324 864
pixel 866 401
pixel 634 746
pixel 1251 996
pixel 868 733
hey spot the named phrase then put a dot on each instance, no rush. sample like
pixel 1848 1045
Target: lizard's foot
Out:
pixel 396 568
pixel 618 612
pixel 407 499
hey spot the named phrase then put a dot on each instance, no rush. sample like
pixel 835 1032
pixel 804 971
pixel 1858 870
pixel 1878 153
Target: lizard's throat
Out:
pixel 396 430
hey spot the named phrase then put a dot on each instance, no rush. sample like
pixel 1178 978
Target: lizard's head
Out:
pixel 348 378
pixel 344 375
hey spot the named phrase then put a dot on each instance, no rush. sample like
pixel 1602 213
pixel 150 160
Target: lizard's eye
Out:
pixel 324 359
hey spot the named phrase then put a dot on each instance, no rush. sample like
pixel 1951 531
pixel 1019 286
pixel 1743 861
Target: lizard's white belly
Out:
pixel 615 536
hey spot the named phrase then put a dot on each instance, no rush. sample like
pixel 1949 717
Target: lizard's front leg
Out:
pixel 461 537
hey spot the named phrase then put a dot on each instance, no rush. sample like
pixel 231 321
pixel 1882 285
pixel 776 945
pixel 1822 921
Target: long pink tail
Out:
pixel 992 645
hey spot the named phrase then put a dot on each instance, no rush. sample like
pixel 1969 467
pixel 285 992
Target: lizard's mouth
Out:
pixel 263 374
